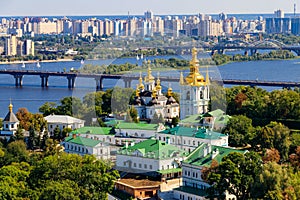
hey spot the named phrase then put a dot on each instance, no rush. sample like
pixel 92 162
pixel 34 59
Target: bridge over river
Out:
pixel 71 76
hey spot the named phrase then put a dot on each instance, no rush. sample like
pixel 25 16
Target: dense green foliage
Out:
pixel 221 59
pixel 93 105
pixel 56 176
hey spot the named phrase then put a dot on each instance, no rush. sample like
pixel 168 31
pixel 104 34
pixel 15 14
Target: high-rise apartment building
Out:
pixel 11 46
pixel 295 26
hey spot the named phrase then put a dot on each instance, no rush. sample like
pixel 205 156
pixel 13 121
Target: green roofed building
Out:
pixel 193 186
pixel 216 120
pixel 81 145
pixel 188 138
pixel 152 157
pixel 137 130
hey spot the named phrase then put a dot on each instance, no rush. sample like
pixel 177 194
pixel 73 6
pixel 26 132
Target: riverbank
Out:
pixel 35 61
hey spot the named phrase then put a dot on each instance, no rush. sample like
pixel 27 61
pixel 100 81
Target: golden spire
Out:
pixel 170 91
pixel 207 77
pixel 154 93
pixel 137 91
pixel 158 86
pixel 194 78
pixel 10 107
pixel 149 78
pixel 181 80
pixel 141 85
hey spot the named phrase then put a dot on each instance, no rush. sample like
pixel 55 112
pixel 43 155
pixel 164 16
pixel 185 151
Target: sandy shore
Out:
pixel 35 61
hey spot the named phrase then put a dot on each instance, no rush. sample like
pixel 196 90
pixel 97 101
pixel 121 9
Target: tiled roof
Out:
pixel 63 119
pixel 93 130
pixel 197 156
pixel 82 141
pixel 155 149
pixel 193 132
pixel 10 117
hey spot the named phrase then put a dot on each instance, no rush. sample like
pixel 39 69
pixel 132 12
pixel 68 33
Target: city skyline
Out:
pixel 137 7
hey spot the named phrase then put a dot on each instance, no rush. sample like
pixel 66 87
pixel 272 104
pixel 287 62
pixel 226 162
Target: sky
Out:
pixel 137 7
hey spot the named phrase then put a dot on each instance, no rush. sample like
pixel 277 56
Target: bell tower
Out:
pixel 194 90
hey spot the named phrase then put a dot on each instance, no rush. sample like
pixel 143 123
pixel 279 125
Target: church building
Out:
pixel 149 99
pixel 10 123
pixel 194 90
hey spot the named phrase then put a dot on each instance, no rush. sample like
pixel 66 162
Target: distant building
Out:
pixel 193 186
pixel 278 25
pixel 279 13
pixel 63 121
pixel 10 123
pixel 29 47
pixel 11 46
pixel 82 146
pixel 152 157
pixel 296 26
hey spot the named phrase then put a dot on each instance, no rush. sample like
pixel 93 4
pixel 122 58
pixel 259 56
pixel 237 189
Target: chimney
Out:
pixel 126 144
pixel 132 143
pixel 74 136
pixel 214 153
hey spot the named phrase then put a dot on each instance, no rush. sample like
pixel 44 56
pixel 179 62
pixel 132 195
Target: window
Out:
pixel 6 126
pixel 124 163
pixel 145 166
pixel 140 165
pixel 51 126
pixel 188 95
pixel 12 126
pixel 78 148
pixel 150 166
pixel 194 142
pixel 168 110
pixel 201 95
pixel 134 164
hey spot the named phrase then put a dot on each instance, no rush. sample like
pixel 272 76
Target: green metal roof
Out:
pixel 168 171
pixel 92 130
pixel 193 132
pixel 153 148
pixel 82 141
pixel 197 156
pixel 138 126
pixel 191 190
pixel 219 115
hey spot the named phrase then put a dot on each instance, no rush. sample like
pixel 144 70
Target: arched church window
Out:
pixel 188 95
pixel 201 95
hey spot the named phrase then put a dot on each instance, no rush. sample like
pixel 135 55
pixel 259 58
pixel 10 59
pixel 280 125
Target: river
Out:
pixel 32 96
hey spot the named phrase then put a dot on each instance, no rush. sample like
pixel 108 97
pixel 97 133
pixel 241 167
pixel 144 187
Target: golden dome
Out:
pixel 149 78
pixel 195 78
pixel 141 85
pixel 170 92
pixel 10 107
pixel 158 86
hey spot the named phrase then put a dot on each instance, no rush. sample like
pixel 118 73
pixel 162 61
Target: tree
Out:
pixel 133 114
pixel 271 155
pixel 279 182
pixel 16 152
pixel 24 116
pixel 57 133
pixel 95 178
pixel 237 174
pixel 276 135
pixel 64 189
pixel 240 130
pixel 48 108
